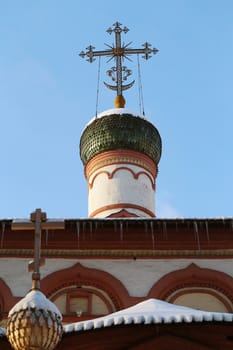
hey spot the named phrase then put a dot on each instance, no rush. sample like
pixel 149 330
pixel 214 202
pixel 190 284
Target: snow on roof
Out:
pixel 35 299
pixel 149 312
pixel 28 221
pixel 152 311
pixel 143 219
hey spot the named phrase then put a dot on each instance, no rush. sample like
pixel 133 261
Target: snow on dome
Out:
pixel 119 111
pixel 148 312
pixel 35 299
pixel 116 111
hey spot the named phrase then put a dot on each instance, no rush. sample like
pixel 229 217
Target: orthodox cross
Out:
pixel 118 52
pixel 37 222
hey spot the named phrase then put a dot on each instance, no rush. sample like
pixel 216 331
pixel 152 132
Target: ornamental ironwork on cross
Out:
pixel 118 73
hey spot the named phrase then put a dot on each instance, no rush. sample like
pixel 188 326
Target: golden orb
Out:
pixel 34 323
pixel 119 101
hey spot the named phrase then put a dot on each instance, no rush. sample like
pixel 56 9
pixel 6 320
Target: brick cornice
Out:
pixel 120 156
pixel 118 253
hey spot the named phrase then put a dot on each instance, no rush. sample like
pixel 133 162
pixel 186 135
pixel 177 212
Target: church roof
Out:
pixel 152 311
pixel 147 313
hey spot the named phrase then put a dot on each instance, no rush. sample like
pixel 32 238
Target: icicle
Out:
pixel 3 231
pixel 195 226
pixel 96 225
pixel 115 226
pixel 152 226
pixel 196 234
pixel 78 231
pixel 165 229
pixel 159 225
pixel 91 226
pixel 46 237
pixel 121 230
pixel 145 226
pixel 200 223
pixel 152 234
pixel 84 226
pixel 207 230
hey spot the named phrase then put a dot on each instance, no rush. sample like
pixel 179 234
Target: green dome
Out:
pixel 125 131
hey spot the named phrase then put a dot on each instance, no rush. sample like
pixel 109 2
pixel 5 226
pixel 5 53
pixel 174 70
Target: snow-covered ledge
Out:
pixel 152 311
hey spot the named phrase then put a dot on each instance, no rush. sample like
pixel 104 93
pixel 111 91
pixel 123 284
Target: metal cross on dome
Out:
pixel 118 52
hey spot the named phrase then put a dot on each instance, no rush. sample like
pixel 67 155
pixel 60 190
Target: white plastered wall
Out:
pixel 117 184
pixel 138 276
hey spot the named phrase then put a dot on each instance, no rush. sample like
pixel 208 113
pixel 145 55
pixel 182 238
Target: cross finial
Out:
pixel 118 73
pixel 37 222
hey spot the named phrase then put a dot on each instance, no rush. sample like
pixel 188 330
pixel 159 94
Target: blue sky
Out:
pixel 48 94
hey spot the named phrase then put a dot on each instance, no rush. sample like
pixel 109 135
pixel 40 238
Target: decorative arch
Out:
pixel 80 275
pixel 121 205
pixel 122 213
pixel 191 277
pixel 110 175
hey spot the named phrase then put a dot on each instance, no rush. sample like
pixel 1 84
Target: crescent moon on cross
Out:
pixel 123 87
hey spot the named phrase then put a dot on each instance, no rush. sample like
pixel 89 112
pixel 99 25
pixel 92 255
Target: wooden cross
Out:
pixel 37 222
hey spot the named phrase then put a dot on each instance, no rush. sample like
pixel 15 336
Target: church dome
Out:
pixel 34 323
pixel 120 129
